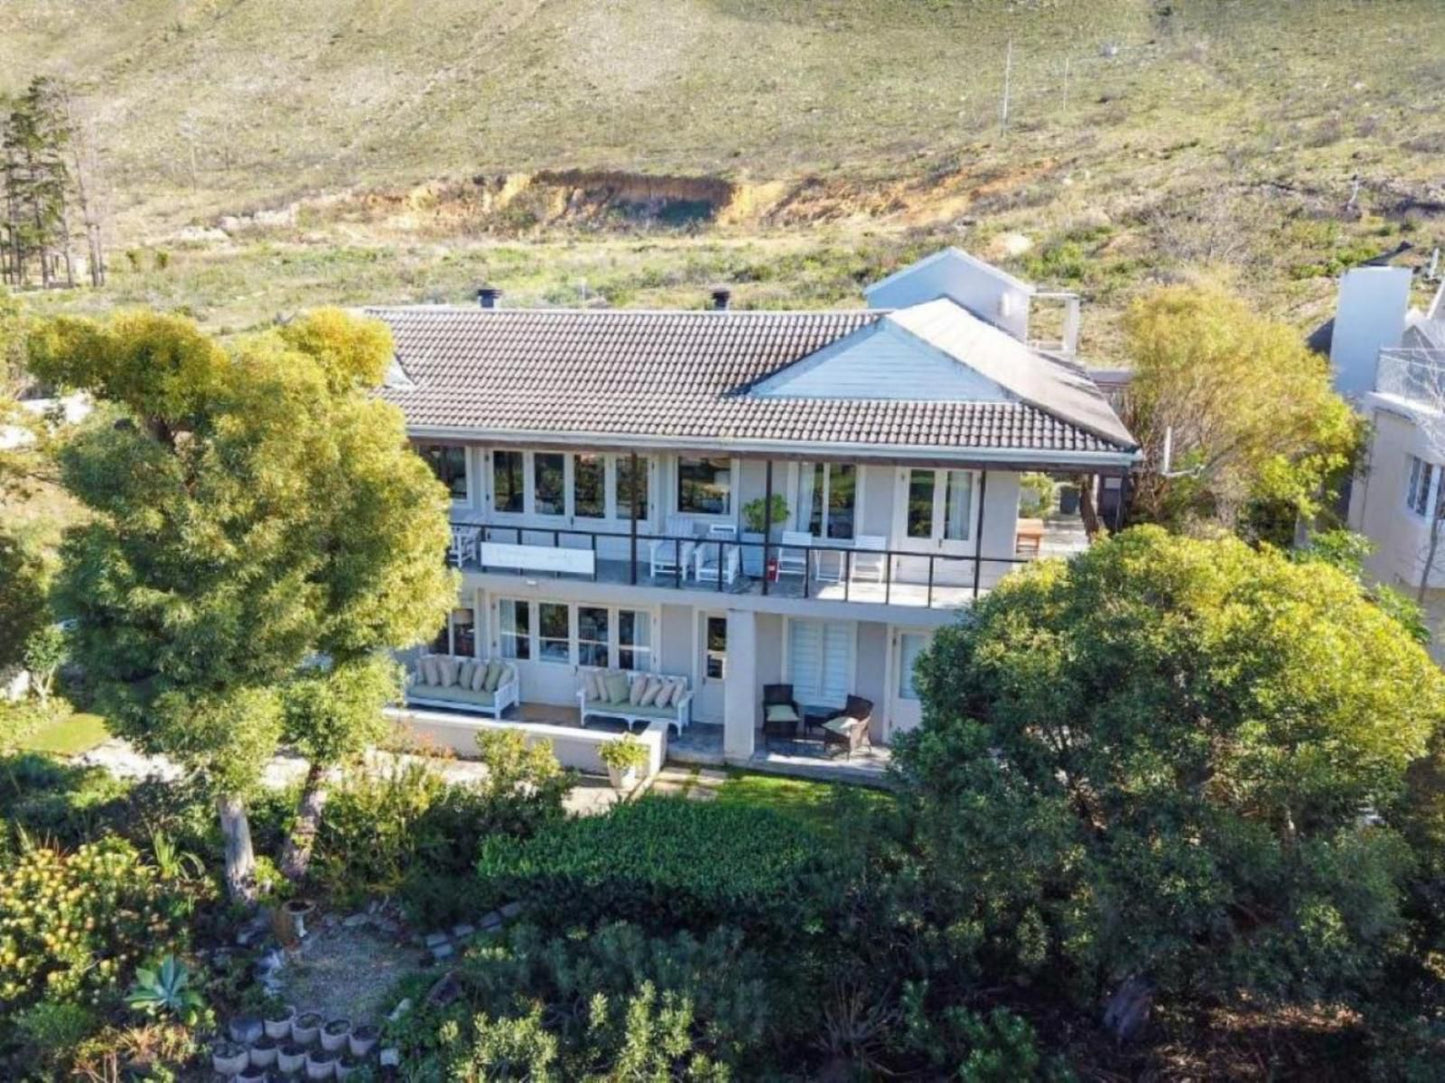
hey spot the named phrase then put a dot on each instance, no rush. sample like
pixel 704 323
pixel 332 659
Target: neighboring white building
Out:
pixel 604 464
pixel 1397 496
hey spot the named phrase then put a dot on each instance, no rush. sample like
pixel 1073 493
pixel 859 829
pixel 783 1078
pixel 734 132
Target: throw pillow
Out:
pixel 635 687
pixel 430 674
pixel 479 677
pixel 495 670
pixel 465 674
pixel 781 712
pixel 677 688
pixel 617 690
pixel 649 694
pixel 596 684
pixel 448 671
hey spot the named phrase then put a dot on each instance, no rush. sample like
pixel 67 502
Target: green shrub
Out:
pixel 74 926
pixel 47 1033
pixel 660 862
pixel 618 1004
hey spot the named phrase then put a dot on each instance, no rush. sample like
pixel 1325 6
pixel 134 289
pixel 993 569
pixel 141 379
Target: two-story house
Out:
pixel 744 499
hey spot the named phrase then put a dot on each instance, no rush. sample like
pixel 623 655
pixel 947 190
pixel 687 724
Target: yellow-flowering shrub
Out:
pixel 74 926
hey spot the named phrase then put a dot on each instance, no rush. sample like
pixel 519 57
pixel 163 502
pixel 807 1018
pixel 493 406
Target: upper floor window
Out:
pixel 1423 481
pixel 508 484
pixel 449 463
pixel 705 486
pixel 827 498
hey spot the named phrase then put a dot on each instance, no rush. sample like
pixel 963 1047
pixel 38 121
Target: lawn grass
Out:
pixel 69 735
pixel 815 804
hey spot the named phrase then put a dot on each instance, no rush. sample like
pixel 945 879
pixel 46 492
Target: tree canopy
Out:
pixel 256 509
pixel 1257 432
pixel 1175 760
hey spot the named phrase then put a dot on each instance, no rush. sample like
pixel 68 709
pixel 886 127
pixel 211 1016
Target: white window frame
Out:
pixel 802 516
pixel 734 491
pixel 614 514
pixel 708 654
pixel 852 674
pixel 648 653
pixel 938 529
pixel 467 468
pixel 1415 489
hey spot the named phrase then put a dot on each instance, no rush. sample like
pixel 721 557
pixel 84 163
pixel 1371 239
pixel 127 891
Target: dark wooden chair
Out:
pixel 779 722
pixel 848 729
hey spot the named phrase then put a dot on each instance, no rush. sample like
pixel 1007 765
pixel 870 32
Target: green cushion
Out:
pixel 452 694
pixel 603 706
pixel 782 712
pixel 618 688
pixel 494 676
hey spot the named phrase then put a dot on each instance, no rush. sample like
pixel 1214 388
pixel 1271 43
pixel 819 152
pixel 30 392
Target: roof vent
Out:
pixel 487 296
pixel 722 300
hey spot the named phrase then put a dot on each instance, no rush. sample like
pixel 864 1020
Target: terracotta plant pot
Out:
pixel 291 1057
pixel 320 1064
pixel 305 1027
pixel 363 1039
pixel 229 1058
pixel 263 1052
pixel 278 1024
pixel 334 1035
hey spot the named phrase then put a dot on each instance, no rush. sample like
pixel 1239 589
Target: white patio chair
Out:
pixel 667 555
pixel 869 559
pixel 714 557
pixel 465 542
pixel 793 553
pixel 828 564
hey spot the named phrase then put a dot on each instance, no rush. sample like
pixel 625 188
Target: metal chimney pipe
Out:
pixel 487 296
pixel 722 300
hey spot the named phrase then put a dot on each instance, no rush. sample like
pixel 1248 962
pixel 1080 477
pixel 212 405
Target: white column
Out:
pixel 740 699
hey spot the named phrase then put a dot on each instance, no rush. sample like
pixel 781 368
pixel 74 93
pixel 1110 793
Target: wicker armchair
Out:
pixel 848 729
pixel 780 723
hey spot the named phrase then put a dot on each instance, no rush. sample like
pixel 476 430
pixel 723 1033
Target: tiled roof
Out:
pixel 683 375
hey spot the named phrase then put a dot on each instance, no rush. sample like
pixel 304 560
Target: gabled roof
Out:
pixel 683 377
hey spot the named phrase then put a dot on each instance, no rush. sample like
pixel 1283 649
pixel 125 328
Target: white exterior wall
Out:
pixel 985 291
pixel 1377 503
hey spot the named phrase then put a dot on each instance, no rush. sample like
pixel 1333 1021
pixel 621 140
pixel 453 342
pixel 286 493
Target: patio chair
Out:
pixel 781 714
pixel 714 558
pixel 793 554
pixel 672 555
pixel 828 564
pixel 870 561
pixel 848 729
pixel 465 541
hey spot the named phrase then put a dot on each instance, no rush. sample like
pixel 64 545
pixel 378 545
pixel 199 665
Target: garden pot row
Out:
pixel 286 1043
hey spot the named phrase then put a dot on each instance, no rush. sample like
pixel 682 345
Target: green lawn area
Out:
pixel 812 802
pixel 68 736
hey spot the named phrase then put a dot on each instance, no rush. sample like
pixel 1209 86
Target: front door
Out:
pixel 711 668
pixel 935 518
pixel 905 710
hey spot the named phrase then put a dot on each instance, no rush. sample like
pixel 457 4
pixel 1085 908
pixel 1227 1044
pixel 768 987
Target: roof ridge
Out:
pixel 491 312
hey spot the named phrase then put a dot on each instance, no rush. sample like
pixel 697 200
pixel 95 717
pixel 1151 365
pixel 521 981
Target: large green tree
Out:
pixel 1257 435
pixel 1173 765
pixel 258 520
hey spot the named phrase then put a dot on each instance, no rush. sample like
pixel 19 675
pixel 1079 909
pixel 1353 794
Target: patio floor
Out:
pixel 702 744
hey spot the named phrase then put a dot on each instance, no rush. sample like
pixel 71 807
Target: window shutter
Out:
pixel 805 659
pixel 835 663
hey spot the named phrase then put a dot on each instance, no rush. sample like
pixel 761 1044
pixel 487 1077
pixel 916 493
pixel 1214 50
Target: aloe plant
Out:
pixel 166 990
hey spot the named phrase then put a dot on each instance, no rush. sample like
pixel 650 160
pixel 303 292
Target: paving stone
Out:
pixel 701 793
pixel 435 939
pixel 443 951
pixel 511 910
pixel 491 921
pixel 355 921
pixel 390 1058
pixel 462 931
pixel 711 776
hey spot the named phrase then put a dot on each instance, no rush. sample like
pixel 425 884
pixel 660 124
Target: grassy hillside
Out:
pixel 405 151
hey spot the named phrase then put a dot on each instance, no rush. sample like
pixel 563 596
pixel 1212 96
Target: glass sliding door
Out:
pixel 593 640
pixel 508 482
pixel 634 639
pixel 549 483
pixel 828 498
pixel 554 632
pixel 589 486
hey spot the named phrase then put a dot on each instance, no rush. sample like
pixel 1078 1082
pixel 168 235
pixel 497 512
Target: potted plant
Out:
pixel 251 1074
pixel 754 514
pixel 228 1058
pixel 347 1065
pixel 321 1064
pixel 363 1039
pixel 263 1052
pixel 291 920
pixel 334 1035
pixel 306 1027
pixel 290 1058
pixel 624 757
pixel 277 1022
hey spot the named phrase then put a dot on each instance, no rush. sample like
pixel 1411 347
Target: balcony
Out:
pixel 863 571
pixel 1412 374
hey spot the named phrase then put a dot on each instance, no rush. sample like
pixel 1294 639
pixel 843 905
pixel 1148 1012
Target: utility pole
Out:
pixel 1008 67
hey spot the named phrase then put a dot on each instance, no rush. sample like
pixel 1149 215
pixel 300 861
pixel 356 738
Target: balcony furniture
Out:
pixel 717 555
pixel 793 555
pixel 465 542
pixel 673 554
pixel 463 684
pixel 618 693
pixel 780 712
pixel 828 564
pixel 848 729
pixel 870 561
pixel 1029 537
pixel 815 717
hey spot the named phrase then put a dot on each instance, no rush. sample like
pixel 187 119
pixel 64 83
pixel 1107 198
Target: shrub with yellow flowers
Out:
pixel 74 926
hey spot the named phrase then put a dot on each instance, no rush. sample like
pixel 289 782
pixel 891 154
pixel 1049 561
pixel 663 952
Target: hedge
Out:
pixel 661 862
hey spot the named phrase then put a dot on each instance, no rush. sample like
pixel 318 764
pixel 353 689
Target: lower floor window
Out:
pixel 457 635
pixel 604 637
pixel 717 648
pixel 910 646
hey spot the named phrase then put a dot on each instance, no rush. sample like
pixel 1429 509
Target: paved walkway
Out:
pixel 590 794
